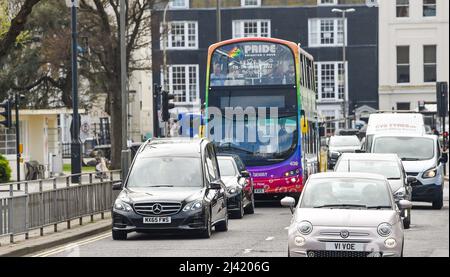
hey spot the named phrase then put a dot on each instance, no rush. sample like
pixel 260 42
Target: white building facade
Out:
pixel 413 51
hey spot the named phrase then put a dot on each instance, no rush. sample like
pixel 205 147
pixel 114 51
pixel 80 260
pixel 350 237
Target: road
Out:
pixel 260 235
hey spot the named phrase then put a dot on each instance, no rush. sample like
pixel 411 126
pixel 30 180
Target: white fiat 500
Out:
pixel 346 215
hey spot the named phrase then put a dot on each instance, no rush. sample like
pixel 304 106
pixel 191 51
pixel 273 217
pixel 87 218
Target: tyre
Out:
pixel 439 202
pixel 206 234
pixel 407 220
pixel 119 235
pixel 250 209
pixel 240 213
pixel 223 225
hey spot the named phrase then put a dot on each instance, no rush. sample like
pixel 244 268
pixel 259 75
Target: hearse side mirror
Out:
pixel 444 158
pixel 411 179
pixel 288 202
pixel 215 185
pixel 245 174
pixel 117 186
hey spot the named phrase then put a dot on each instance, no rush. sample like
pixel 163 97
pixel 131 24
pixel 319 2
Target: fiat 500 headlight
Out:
pixel 305 227
pixel 384 229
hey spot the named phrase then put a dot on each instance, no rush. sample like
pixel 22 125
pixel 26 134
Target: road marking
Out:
pixel 286 228
pixel 72 245
pixel 269 238
pixel 246 251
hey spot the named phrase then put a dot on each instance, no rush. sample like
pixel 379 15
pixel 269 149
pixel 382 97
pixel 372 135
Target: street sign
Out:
pixel 72 3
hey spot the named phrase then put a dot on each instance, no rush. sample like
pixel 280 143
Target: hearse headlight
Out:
pixel 384 229
pixel 305 227
pixel 431 173
pixel 119 205
pixel 193 206
pixel 124 198
pixel 231 190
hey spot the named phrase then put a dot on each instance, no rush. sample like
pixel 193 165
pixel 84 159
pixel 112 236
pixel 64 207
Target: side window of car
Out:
pixel 212 176
pixel 214 160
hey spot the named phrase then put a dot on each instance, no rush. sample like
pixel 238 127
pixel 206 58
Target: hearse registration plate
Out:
pixel 157 220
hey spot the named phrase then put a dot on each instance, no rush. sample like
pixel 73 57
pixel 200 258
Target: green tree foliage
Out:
pixel 5 170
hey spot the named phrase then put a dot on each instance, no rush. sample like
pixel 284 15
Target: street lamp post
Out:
pixel 344 59
pixel 126 153
pixel 219 20
pixel 75 148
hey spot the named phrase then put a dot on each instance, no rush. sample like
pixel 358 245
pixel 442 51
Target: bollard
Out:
pixel 92 218
pixel 41 231
pixel 81 221
pixel 68 224
pixel 55 228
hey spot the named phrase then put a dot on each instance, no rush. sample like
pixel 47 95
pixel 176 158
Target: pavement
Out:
pixel 263 234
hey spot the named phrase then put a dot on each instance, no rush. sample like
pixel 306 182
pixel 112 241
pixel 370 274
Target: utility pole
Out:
pixel 18 96
pixel 126 153
pixel 75 144
pixel 219 20
pixel 345 106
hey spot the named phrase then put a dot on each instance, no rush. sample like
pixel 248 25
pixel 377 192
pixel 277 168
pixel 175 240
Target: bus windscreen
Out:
pixel 252 64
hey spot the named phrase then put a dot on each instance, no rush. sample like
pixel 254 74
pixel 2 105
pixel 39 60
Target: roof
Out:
pixel 403 135
pixel 369 157
pixel 348 175
pixel 172 147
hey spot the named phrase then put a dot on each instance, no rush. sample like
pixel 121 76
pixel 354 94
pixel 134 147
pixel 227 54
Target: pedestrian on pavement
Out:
pixel 100 168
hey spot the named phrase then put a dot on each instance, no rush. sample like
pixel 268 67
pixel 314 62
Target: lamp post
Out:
pixel 344 58
pixel 219 20
pixel 126 153
pixel 75 148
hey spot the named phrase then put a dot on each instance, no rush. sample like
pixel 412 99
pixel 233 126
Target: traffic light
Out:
pixel 166 106
pixel 442 98
pixel 6 113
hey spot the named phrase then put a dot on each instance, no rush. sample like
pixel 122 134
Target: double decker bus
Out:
pixel 252 75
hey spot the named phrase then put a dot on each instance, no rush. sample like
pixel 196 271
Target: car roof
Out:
pixel 369 157
pixel 348 175
pixel 174 147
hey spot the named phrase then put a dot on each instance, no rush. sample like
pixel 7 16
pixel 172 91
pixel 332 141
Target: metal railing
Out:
pixel 48 202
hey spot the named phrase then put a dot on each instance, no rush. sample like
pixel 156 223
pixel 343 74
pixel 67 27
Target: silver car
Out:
pixel 388 165
pixel 346 215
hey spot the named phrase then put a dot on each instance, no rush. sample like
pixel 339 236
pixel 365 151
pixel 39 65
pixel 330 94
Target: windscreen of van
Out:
pixel 407 148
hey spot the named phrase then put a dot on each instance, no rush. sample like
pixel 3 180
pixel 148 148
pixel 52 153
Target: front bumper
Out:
pixel 182 221
pixel 426 193
pixel 234 201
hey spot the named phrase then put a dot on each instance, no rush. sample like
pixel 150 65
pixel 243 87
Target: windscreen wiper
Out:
pixel 410 159
pixel 234 147
pixel 341 205
pixel 379 207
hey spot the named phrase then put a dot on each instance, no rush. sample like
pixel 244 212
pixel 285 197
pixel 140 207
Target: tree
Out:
pixel 15 27
pixel 99 21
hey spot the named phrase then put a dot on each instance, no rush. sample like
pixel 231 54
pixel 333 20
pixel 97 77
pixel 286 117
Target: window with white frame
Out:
pixel 179 4
pixel 330 81
pixel 329 115
pixel 250 3
pixel 183 82
pixel 327 2
pixel 180 35
pixel 251 28
pixel 429 8
pixel 325 32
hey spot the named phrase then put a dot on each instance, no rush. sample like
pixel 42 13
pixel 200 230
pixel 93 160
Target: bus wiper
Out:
pixel 229 145
pixel 340 205
pixel 162 186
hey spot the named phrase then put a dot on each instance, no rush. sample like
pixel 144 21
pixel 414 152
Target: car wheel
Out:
pixel 206 234
pixel 439 202
pixel 223 225
pixel 119 235
pixel 240 213
pixel 407 219
pixel 250 209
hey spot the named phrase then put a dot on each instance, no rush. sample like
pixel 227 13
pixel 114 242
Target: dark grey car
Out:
pixel 338 145
pixel 173 186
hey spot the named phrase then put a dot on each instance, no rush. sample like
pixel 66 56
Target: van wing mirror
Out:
pixel 444 158
pixel 411 179
pixel 215 184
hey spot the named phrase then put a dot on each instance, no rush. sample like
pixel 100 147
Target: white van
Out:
pixel 422 158
pixel 388 123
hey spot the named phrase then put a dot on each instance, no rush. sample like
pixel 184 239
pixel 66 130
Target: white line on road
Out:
pixel 286 228
pixel 246 251
pixel 269 238
pixel 72 245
